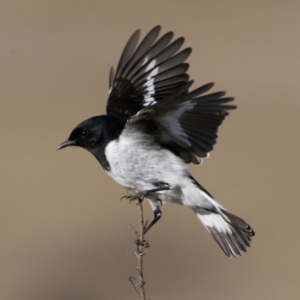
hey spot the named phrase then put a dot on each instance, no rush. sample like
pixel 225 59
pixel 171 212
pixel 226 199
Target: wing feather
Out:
pixel 146 73
pixel 127 52
pixel 151 86
pixel 188 124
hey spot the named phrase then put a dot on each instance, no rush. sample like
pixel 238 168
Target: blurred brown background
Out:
pixel 64 233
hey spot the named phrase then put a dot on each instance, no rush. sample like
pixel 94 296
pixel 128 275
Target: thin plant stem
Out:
pixel 141 244
pixel 140 247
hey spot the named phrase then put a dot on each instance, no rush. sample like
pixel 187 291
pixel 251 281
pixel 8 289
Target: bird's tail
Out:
pixel 230 232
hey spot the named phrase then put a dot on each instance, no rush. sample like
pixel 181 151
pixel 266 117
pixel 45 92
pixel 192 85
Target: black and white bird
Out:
pixel 154 126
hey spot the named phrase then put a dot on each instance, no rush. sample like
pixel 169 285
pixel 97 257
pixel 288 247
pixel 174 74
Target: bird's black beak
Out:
pixel 65 144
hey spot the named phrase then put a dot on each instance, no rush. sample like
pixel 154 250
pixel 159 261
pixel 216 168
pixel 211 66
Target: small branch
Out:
pixel 131 278
pixel 141 244
pixel 136 233
pixel 140 248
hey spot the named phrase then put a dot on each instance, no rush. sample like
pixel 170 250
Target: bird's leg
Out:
pixel 141 195
pixel 157 216
pixel 157 212
pixel 155 204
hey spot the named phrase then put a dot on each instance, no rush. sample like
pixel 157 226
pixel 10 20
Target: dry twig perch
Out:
pixel 141 244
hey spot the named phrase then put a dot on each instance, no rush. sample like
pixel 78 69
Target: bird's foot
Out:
pixel 139 196
pixel 136 197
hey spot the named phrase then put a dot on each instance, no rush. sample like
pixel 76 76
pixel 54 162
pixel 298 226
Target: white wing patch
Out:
pixel 149 85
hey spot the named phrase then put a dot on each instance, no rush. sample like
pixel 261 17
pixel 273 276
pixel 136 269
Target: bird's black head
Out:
pixel 86 134
pixel 94 134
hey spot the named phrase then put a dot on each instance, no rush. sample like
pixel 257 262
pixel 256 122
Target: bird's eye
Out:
pixel 83 134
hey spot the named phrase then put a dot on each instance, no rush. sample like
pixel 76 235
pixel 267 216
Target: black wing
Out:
pixel 187 124
pixel 146 74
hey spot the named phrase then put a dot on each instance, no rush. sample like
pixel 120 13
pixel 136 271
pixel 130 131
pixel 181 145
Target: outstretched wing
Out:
pixel 146 74
pixel 187 124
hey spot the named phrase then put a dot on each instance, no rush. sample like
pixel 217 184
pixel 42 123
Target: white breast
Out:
pixel 137 162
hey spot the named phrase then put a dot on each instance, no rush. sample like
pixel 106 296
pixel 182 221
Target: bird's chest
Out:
pixel 130 163
pixel 138 163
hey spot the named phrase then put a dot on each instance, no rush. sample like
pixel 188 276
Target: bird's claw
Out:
pixel 158 200
pixel 137 197
pixel 140 197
